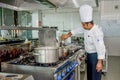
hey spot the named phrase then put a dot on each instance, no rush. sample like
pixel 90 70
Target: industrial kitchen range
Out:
pixel 63 69
pixel 47 61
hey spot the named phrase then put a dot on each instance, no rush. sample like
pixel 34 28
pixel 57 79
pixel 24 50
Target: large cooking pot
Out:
pixel 46 54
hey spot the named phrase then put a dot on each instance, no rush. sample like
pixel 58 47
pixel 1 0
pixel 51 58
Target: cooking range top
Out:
pixel 30 60
pixel 63 69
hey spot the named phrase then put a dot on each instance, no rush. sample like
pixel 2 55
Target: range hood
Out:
pixel 73 3
pixel 25 4
pixel 44 4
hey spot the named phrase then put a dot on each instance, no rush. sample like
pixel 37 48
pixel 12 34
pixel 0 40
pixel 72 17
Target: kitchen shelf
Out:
pixel 22 28
pixel 15 41
pixel 18 28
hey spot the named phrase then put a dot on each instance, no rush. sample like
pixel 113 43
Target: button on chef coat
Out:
pixel 93 40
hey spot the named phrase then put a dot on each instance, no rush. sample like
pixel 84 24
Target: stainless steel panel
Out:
pixel 11 76
pixel 39 73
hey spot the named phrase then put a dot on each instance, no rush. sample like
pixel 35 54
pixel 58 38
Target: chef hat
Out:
pixel 85 12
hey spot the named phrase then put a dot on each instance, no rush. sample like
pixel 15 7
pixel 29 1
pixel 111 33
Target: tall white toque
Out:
pixel 85 12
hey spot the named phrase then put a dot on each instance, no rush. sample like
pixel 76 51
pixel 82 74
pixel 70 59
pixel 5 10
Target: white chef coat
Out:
pixel 93 40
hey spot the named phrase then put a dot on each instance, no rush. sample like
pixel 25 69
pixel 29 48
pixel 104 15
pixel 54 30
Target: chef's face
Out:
pixel 86 26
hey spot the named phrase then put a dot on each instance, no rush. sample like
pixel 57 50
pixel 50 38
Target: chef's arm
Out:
pixel 65 36
pixel 100 47
pixel 78 30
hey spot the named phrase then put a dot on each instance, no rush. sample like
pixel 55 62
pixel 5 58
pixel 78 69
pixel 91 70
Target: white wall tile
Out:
pixel 108 10
pixel 113 45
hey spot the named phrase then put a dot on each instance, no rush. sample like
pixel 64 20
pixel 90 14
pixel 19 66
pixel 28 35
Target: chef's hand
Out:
pixel 99 65
pixel 65 36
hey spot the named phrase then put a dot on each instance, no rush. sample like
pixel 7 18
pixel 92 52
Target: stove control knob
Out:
pixel 59 78
pixel 76 63
pixel 67 70
pixel 63 74
pixel 70 67
pixel 73 65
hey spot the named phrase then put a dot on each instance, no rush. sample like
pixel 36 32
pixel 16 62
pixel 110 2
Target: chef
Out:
pixel 93 41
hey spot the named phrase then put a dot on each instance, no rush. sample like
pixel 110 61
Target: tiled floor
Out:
pixel 113 72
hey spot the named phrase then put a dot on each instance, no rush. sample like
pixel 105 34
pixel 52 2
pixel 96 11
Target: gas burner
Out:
pixel 46 64
pixel 62 58
pixel 30 60
pixel 24 60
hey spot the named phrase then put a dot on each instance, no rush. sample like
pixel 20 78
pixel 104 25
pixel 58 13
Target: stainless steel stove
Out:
pixel 64 69
pixel 30 61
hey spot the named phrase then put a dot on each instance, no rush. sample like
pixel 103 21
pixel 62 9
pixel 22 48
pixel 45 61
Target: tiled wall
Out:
pixel 110 9
pixel 113 45
pixel 63 19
